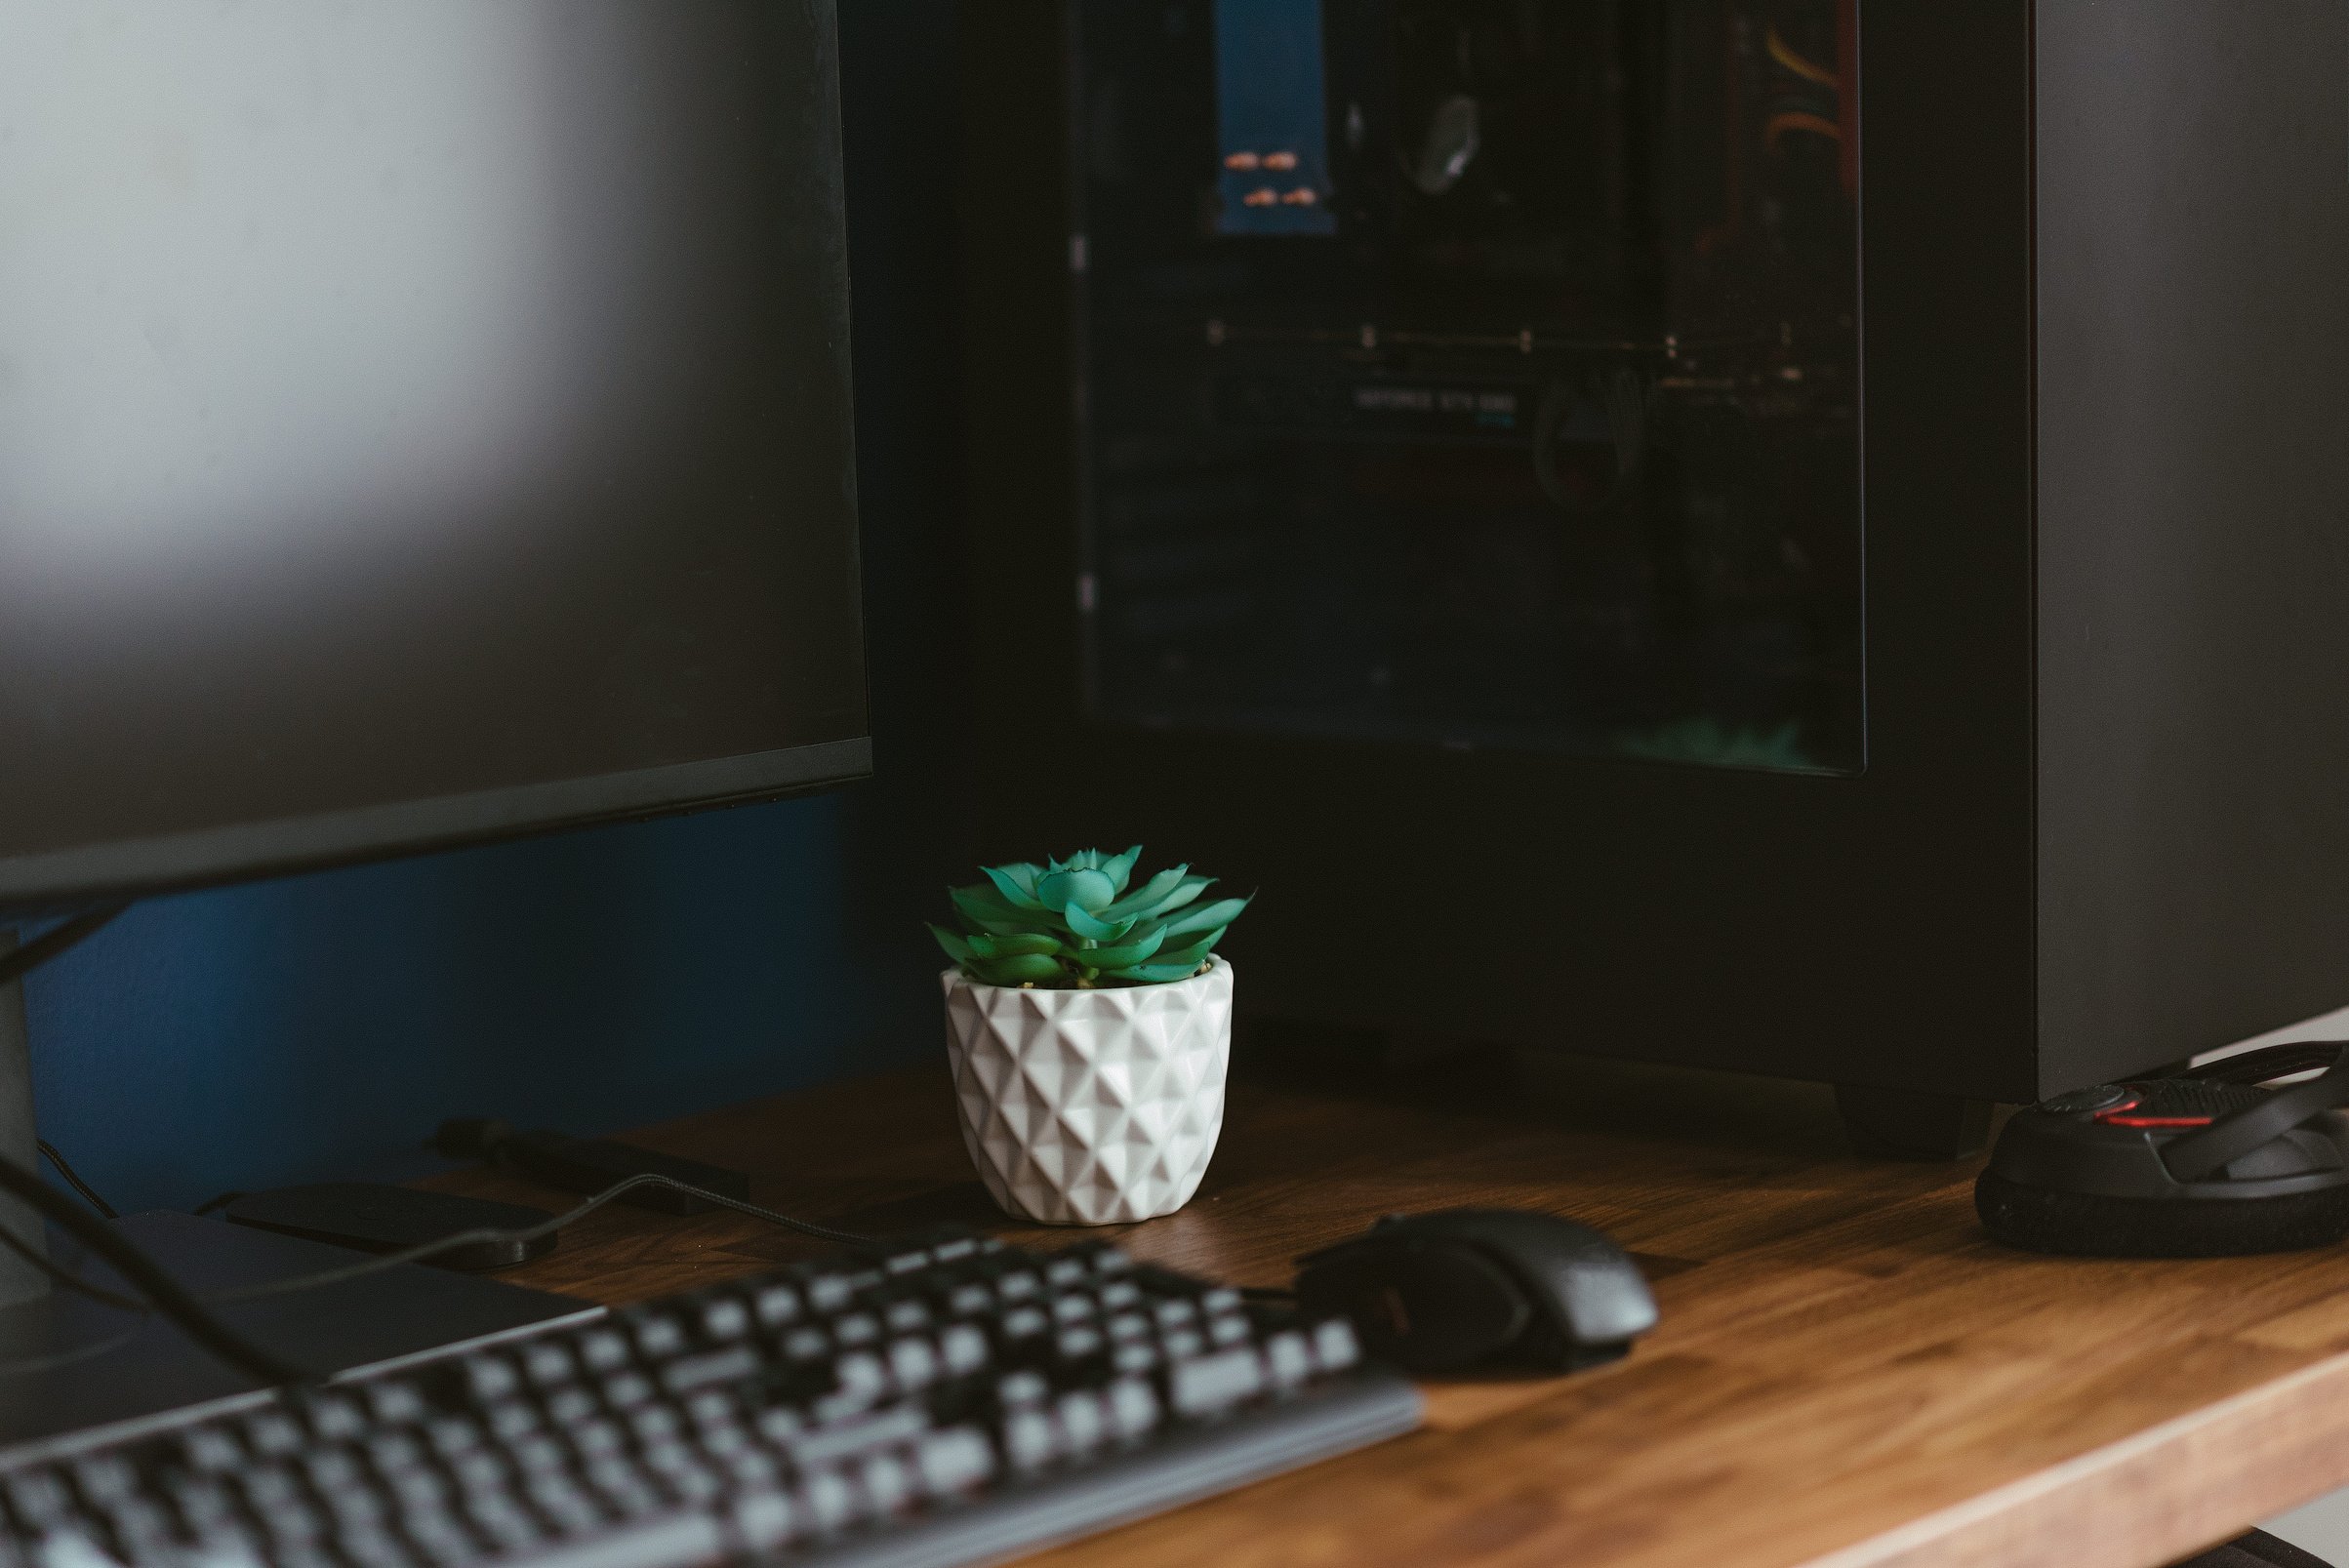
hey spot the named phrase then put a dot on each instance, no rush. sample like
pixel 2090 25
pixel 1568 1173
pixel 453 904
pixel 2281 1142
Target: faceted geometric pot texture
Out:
pixel 1092 1107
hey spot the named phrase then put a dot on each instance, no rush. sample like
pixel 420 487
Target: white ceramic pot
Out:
pixel 1092 1107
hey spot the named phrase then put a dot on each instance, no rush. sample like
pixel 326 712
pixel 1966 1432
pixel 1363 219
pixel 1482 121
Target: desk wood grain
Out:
pixel 1848 1371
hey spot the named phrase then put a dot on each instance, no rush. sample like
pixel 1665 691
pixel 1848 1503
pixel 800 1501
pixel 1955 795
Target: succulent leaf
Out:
pixel 1218 914
pixel 1194 953
pixel 1093 930
pixel 1119 868
pixel 1123 954
pixel 1188 889
pixel 978 899
pixel 1081 886
pixel 1154 974
pixel 1027 968
pixel 982 910
pixel 1149 893
pixel 1003 928
pixel 1018 897
pixel 955 948
pixel 1010 945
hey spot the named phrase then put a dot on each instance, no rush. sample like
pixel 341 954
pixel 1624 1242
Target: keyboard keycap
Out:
pixel 671 1541
pixel 914 1365
pixel 567 1407
pixel 602 1349
pixel 104 1479
pixel 210 1448
pixel 271 1433
pixel 825 1501
pixel 1083 1422
pixel 775 1304
pixel 1019 1390
pixel 658 1335
pixel 1335 1346
pixel 725 1318
pixel 450 1435
pixel 1213 1383
pixel 541 1454
pixel 954 1460
pixel 1134 1408
pixel 729 1365
pixel 900 1423
pixel 489 1378
pixel 887 1483
pixel 392 1452
pixel 1031 1441
pixel 963 1348
pixel 1288 1358
pixel 625 1391
pixel 764 1520
pixel 373 1547
pixel 550 1365
pixel 396 1401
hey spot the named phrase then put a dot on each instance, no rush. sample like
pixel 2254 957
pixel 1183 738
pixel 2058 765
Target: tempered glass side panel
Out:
pixel 1475 373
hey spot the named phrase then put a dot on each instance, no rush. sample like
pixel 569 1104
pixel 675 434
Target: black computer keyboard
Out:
pixel 939 1399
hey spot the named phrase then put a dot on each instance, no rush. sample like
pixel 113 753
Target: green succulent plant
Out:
pixel 1075 924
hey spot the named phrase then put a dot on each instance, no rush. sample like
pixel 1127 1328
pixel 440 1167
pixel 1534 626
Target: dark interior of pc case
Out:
pixel 1474 372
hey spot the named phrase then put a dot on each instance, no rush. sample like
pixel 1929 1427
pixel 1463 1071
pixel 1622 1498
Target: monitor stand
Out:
pixel 69 1362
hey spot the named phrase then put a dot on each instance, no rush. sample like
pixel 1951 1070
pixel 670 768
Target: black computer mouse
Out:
pixel 1481 1287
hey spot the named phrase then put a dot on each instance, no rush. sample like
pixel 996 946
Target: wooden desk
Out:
pixel 1846 1373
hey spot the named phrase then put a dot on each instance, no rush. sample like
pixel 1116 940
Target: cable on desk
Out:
pixel 524 1234
pixel 73 1180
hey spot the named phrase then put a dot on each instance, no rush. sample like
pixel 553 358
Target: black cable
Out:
pixel 166 1293
pixel 73 1179
pixel 217 1201
pixel 56 939
pixel 524 1234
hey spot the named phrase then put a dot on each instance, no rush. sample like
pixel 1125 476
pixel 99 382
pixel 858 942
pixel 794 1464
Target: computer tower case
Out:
pixel 1796 536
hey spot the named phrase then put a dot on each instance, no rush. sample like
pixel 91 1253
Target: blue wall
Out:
pixel 321 1025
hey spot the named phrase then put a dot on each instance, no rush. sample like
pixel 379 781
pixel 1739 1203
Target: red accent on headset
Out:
pixel 2155 1121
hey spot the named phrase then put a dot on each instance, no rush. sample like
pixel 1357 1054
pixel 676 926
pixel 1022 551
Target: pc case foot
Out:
pixel 1900 1124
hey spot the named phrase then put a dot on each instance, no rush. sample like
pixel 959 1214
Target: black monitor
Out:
pixel 420 421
